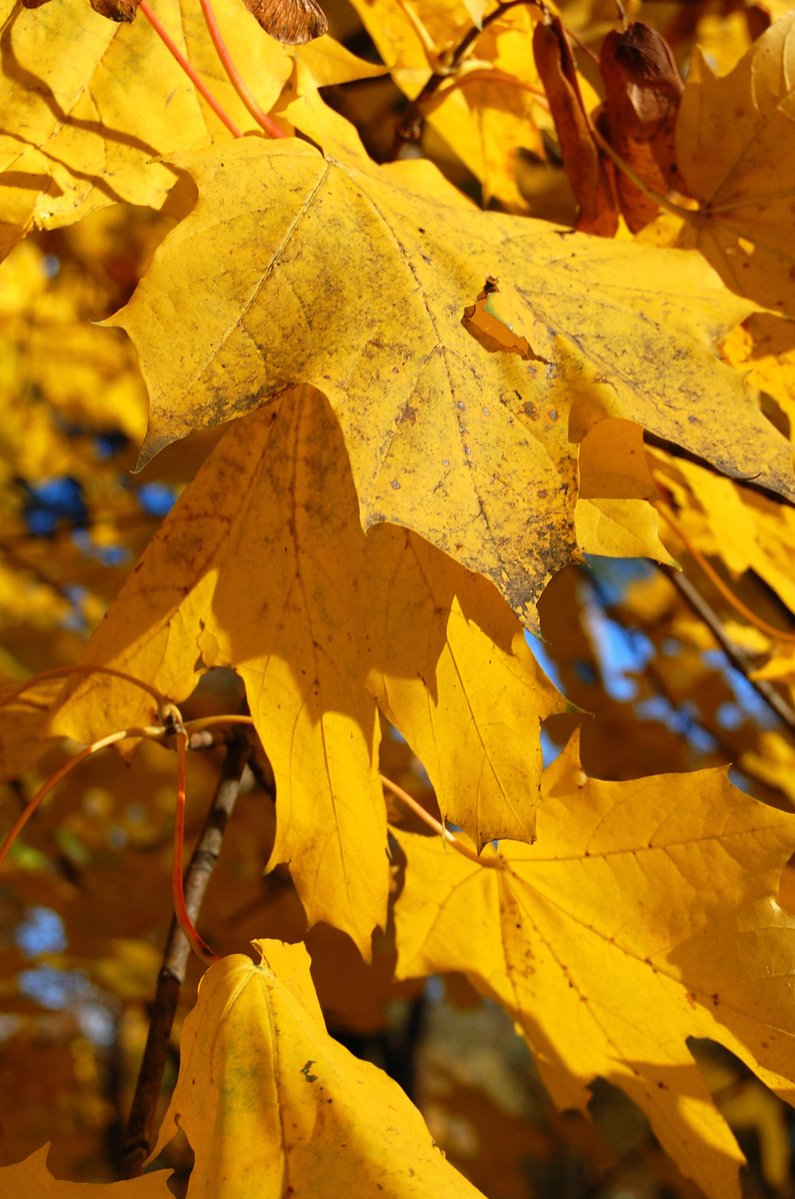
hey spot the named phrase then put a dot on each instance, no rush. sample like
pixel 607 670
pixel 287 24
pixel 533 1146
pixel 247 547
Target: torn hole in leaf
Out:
pixel 494 335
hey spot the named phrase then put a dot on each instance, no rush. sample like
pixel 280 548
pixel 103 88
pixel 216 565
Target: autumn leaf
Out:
pixel 429 416
pixel 642 94
pixel 483 102
pixel 640 917
pixel 734 147
pixel 623 528
pixel 433 409
pixel 748 531
pixel 405 33
pixel 593 187
pixel 84 126
pixel 31 1179
pixel 613 463
pixel 319 619
pixel 272 1105
pixel 765 345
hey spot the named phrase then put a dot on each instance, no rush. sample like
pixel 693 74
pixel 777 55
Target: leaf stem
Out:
pixel 206 722
pixel 409 128
pixel 437 826
pixel 136 1143
pixel 195 79
pixel 197 944
pixel 87 668
pixel 62 771
pixel 263 120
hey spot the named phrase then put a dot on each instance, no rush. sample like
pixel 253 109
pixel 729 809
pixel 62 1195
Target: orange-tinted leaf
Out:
pixel 592 185
pixel 642 92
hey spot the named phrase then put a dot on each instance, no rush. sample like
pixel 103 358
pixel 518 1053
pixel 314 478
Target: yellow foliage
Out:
pixel 90 74
pixel 619 529
pixel 406 406
pixel 31 1179
pixel 435 412
pixel 321 621
pixel 259 1070
pixel 735 150
pixel 600 988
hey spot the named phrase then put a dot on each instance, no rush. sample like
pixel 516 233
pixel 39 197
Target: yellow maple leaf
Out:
pixel 86 124
pixel 272 1105
pixel 748 530
pixel 765 345
pixel 31 1179
pixel 432 418
pixel 734 148
pixel 318 619
pixel 409 35
pixel 641 916
pixel 619 529
pixel 485 105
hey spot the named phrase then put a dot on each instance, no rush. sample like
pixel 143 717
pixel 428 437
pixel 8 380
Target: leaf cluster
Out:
pixel 413 408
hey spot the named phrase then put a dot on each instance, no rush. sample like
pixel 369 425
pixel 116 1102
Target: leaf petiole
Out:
pixel 195 79
pixel 197 944
pixel 263 120
pixel 154 731
pixel 494 863
pixel 89 668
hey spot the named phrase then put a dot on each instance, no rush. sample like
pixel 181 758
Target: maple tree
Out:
pixel 452 355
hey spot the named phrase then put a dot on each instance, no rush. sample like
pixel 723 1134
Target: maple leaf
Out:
pixel 31 1179
pixel 263 565
pixel 272 1105
pixel 407 34
pixel 84 126
pixel 734 148
pixel 641 916
pixel 619 528
pixel 467 447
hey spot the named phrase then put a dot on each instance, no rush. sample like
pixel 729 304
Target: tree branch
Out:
pixel 695 600
pixel 136 1143
pixel 410 127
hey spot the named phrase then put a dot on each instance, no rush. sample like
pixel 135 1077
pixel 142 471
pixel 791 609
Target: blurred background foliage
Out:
pixel 85 902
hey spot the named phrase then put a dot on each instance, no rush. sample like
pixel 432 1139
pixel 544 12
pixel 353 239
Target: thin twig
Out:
pixel 764 689
pixel 195 940
pixel 410 127
pixel 137 1136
